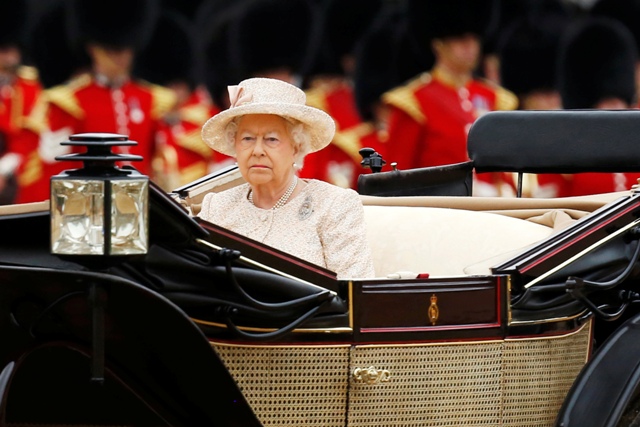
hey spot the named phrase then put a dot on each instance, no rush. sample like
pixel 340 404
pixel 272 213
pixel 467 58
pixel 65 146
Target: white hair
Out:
pixel 296 129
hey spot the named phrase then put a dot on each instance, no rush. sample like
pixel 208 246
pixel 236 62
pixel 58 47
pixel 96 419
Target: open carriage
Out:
pixel 484 311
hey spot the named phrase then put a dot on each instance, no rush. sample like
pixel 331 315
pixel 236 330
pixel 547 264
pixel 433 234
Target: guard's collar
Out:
pixel 105 81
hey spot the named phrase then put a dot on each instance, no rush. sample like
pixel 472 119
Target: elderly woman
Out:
pixel 269 130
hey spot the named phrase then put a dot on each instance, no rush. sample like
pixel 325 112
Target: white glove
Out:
pixel 402 275
pixel 8 163
pixel 49 146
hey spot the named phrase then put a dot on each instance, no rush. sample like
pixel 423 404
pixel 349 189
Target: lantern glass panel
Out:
pixel 77 217
pixel 129 218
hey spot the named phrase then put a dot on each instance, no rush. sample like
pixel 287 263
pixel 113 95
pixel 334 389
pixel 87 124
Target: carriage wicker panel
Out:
pixel 484 383
pixel 429 385
pixel 292 386
pixel 538 375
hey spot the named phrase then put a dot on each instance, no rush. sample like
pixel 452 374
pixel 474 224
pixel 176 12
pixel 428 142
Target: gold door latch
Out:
pixel 370 375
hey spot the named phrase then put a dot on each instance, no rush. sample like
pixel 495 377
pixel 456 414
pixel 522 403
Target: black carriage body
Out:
pixel 370 327
pixel 212 328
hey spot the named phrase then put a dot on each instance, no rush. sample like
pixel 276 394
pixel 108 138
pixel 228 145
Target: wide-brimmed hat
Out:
pixel 268 96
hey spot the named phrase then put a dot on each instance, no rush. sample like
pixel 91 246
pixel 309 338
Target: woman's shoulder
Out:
pixel 214 201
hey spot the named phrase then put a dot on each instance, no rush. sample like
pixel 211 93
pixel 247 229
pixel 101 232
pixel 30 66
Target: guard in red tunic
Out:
pixel 387 55
pixel 527 49
pixel 431 115
pixel 19 89
pixel 597 70
pixel 18 100
pixel 330 88
pixel 170 60
pixel 107 99
pixel 339 162
pixel 180 158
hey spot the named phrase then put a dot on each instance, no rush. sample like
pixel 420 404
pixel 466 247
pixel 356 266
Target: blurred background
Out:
pixel 358 60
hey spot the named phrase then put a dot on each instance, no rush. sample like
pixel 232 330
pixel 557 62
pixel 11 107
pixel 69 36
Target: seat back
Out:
pixel 447 180
pixel 559 141
pixel 564 141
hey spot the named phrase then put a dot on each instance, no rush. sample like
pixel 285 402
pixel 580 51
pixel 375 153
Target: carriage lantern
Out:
pixel 99 209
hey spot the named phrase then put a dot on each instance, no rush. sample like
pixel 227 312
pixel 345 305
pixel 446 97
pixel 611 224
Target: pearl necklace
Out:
pixel 285 197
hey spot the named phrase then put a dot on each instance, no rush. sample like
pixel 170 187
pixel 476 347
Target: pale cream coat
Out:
pixel 323 224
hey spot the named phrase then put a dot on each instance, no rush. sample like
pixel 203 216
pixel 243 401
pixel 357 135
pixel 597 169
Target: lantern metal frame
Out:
pixel 100 170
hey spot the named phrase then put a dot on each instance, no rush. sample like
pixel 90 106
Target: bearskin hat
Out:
pixel 343 24
pixel 49 50
pixel 625 11
pixel 374 67
pixel 210 10
pixel 186 8
pixel 273 34
pixel 528 51
pixel 597 59
pixel 113 23
pixel 219 65
pixel 386 56
pixel 431 19
pixel 170 54
pixel 13 17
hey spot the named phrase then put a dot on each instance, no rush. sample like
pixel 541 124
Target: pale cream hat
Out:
pixel 269 96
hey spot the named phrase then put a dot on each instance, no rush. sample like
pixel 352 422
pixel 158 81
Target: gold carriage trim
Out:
pixel 338 330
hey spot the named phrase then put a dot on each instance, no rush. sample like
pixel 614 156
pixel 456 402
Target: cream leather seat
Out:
pixel 445 242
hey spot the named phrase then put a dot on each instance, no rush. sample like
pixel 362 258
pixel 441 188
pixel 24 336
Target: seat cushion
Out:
pixel 445 242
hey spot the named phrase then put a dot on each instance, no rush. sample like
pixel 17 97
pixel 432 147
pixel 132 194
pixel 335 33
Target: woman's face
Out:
pixel 264 150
